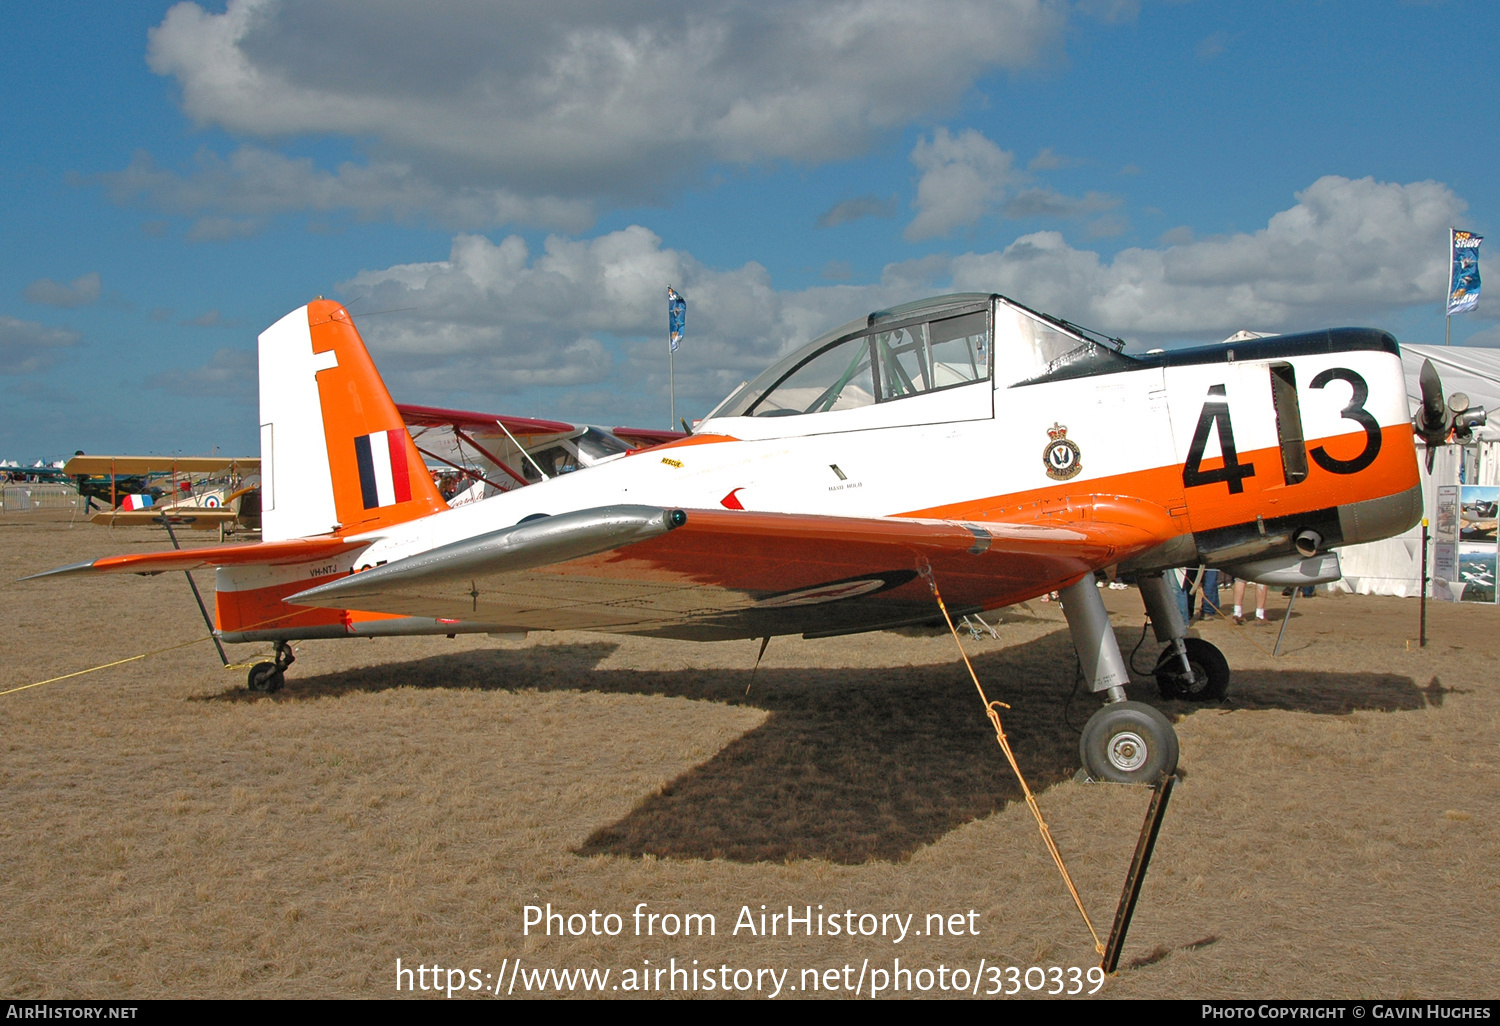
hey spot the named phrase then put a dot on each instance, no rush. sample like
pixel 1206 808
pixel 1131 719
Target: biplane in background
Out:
pixel 484 454
pixel 200 492
pixel 964 443
pixel 478 455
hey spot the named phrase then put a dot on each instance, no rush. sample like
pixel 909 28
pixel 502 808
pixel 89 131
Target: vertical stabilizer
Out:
pixel 335 453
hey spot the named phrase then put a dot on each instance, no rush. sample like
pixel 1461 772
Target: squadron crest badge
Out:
pixel 1062 456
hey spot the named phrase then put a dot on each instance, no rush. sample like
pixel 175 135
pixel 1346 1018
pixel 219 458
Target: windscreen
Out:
pixel 878 366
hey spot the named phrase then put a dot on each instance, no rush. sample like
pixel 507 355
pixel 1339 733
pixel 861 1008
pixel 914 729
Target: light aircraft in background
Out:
pixel 201 492
pixel 965 442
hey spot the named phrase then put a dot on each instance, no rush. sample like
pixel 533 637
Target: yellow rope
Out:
pixel 992 709
pixel 146 655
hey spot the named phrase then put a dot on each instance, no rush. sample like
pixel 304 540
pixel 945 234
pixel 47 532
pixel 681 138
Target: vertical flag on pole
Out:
pixel 676 317
pixel 1463 283
pixel 676 320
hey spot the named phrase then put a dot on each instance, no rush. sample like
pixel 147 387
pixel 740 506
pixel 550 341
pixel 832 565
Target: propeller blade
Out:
pixel 1433 420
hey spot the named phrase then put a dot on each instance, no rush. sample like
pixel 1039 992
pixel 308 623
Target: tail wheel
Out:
pixel 265 678
pixel 1210 679
pixel 1128 743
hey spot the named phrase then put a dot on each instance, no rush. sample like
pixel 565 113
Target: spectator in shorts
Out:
pixel 1260 603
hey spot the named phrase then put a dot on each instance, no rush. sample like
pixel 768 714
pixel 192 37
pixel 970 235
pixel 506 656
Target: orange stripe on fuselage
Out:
pixel 689 440
pixel 1206 507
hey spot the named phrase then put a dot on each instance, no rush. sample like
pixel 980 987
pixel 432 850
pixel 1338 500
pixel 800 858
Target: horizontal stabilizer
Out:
pixel 297 550
pixel 526 546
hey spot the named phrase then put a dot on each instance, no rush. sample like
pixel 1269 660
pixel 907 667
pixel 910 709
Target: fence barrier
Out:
pixel 28 498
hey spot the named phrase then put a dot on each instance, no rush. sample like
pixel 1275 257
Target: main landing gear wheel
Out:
pixel 265 678
pixel 1128 743
pixel 269 677
pixel 1210 679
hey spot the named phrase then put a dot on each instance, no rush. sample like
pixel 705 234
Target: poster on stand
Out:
pixel 1477 542
pixel 1445 586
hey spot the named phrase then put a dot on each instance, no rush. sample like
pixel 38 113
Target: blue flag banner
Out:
pixel 676 317
pixel 1463 285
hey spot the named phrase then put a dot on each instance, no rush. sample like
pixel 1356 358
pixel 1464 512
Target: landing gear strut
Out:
pixel 1125 742
pixel 1189 668
pixel 269 677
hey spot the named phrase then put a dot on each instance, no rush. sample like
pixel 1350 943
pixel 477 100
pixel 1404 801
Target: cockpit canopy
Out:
pixel 914 349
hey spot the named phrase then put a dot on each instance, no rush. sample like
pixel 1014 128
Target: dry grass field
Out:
pixel 165 833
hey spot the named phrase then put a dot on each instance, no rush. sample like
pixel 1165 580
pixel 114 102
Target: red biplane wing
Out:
pixel 468 420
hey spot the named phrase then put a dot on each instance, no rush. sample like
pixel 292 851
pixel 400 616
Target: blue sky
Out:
pixel 502 192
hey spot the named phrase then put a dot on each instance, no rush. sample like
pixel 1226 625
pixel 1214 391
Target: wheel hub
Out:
pixel 1127 751
pixel 1191 684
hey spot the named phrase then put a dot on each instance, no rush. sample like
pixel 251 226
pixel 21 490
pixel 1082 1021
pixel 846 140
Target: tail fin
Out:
pixel 335 454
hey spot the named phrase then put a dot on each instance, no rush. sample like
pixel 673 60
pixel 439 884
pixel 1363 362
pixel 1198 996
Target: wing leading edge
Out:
pixel 282 553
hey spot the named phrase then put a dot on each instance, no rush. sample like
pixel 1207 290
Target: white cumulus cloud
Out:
pixel 587 315
pixel 964 177
pixel 1348 250
pixel 582 99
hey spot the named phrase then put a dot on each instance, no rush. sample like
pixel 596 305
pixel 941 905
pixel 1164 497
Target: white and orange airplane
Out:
pixel 965 442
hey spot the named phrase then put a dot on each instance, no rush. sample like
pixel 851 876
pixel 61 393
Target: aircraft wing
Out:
pixel 130 466
pixel 720 574
pixel 279 553
pixel 468 420
pixel 201 517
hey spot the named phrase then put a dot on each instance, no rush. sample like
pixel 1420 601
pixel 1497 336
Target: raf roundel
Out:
pixel 1063 458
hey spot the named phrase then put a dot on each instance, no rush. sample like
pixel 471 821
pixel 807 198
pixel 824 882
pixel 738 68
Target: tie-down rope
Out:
pixel 992 710
pixel 157 652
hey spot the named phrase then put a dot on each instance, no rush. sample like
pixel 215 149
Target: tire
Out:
pixel 265 678
pixel 1210 673
pixel 1128 743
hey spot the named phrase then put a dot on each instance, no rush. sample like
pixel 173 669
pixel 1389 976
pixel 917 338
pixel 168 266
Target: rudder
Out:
pixel 336 457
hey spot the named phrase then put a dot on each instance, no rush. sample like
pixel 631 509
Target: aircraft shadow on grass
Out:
pixel 852 765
